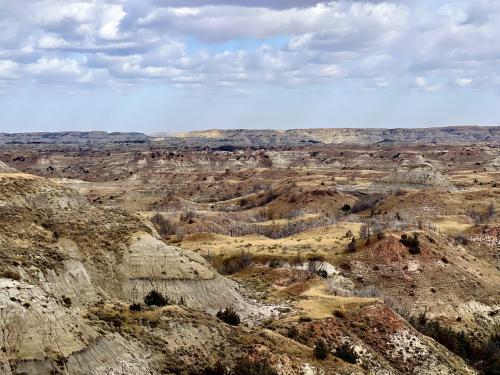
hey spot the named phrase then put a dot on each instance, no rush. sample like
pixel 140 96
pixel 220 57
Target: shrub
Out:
pixel 321 349
pixel 351 246
pixel 218 369
pixel 346 353
pixel 236 263
pixel 246 367
pixel 162 225
pixel 155 298
pixel 366 202
pixel 485 356
pixel 339 314
pixel 293 333
pixel 10 273
pixel 135 307
pixel 411 243
pixel 229 316
pixel 243 366
pixel 346 208
pixel 322 273
pixel 275 263
pixel 67 300
pixel 188 216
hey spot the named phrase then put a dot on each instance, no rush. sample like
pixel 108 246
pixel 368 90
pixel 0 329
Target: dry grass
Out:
pixel 318 303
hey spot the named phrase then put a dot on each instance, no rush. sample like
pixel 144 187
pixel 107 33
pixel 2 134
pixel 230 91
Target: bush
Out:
pixel 229 316
pixel 247 367
pixel 135 307
pixel 162 225
pixel 346 208
pixel 366 202
pixel 322 273
pixel 218 369
pixel 346 353
pixel 411 243
pixel 243 367
pixel 236 263
pixel 155 298
pixel 484 356
pixel 10 273
pixel 188 216
pixel 351 246
pixel 321 349
pixel 293 333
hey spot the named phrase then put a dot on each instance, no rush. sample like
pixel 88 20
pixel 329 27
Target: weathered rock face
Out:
pixel 4 168
pixel 60 255
pixel 86 138
pixel 41 334
pixel 150 263
pixel 418 176
pixel 263 138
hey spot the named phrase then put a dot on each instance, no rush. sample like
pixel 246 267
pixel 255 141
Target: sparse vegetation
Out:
pixel 351 246
pixel 155 298
pixel 485 356
pixel 135 307
pixel 321 349
pixel 229 316
pixel 412 243
pixel 162 225
pixel 346 353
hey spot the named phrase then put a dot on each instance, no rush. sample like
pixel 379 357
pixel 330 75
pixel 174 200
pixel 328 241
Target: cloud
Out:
pixel 198 43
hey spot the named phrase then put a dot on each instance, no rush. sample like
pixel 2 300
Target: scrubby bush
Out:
pixel 236 264
pixel 135 307
pixel 292 333
pixel 10 273
pixel 346 353
pixel 155 298
pixel 412 243
pixel 351 246
pixel 162 225
pixel 321 349
pixel 275 263
pixel 322 273
pixel 366 202
pixel 346 208
pixel 485 356
pixel 188 216
pixel 218 369
pixel 246 367
pixel 243 366
pixel 229 316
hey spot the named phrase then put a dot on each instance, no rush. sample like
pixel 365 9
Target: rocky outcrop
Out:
pixel 60 256
pixel 417 176
pixel 264 138
pixel 4 168
pixel 66 138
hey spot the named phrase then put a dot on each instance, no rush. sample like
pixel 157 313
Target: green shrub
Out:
pixel 135 307
pixel 346 353
pixel 321 349
pixel 412 243
pixel 484 356
pixel 247 367
pixel 351 246
pixel 229 316
pixel 155 298
pixel 346 208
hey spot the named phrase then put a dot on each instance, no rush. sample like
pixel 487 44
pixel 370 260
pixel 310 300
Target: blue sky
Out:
pixel 170 65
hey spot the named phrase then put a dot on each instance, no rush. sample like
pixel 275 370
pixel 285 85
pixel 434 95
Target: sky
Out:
pixel 179 65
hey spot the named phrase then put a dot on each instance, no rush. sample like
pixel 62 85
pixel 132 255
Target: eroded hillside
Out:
pixel 337 260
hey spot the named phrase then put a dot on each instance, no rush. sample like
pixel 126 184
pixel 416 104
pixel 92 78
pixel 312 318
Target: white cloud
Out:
pixel 226 44
pixel 422 83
